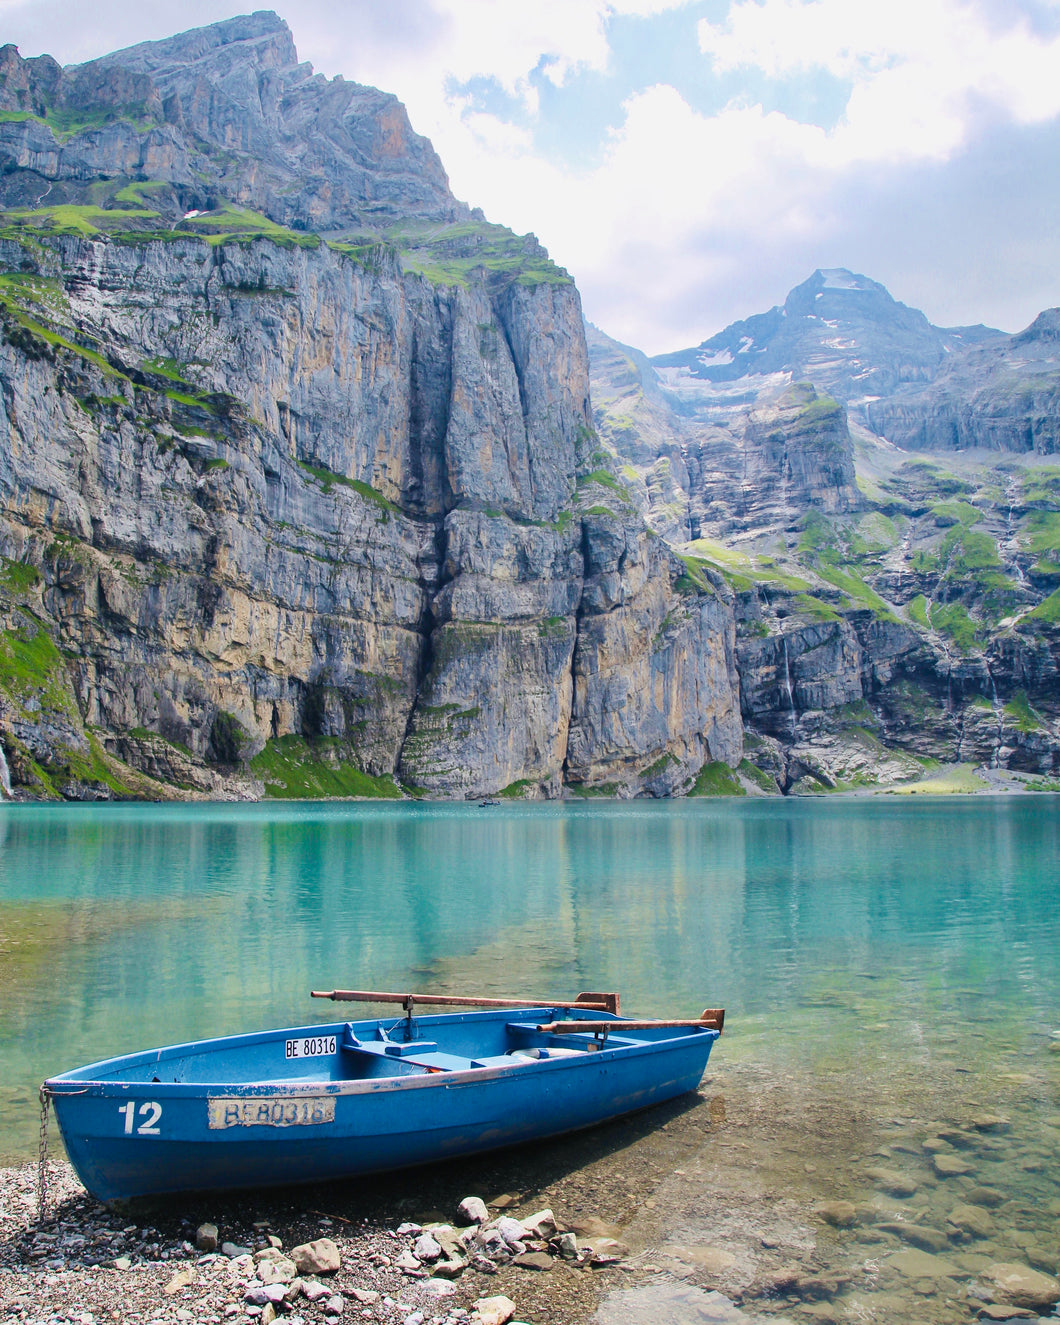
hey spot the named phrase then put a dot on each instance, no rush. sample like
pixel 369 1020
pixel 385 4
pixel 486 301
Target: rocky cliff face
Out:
pixel 299 489
pixel 730 469
pixel 892 613
pixel 1001 396
pixel 222 113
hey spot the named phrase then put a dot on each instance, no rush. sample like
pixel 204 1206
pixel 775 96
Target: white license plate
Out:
pixel 313 1046
pixel 275 1111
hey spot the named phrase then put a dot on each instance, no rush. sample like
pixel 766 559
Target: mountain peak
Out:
pixel 1045 327
pixel 224 114
pixel 264 35
pixel 840 290
pixel 841 278
pixel 839 329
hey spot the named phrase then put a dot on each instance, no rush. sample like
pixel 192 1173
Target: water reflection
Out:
pixel 816 924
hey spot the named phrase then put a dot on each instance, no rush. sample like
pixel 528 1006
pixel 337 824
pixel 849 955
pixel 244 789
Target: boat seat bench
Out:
pixel 425 1053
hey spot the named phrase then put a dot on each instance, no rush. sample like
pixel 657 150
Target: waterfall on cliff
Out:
pixel 1000 715
pixel 787 686
pixel 5 777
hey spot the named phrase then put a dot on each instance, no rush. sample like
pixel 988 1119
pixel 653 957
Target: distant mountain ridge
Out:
pixel 1001 394
pixel 838 329
pixel 883 497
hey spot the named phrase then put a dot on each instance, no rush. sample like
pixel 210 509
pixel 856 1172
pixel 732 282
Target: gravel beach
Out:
pixel 87 1265
pixel 760 1198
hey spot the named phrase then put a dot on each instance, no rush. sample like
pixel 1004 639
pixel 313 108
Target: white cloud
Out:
pixel 682 199
pixel 691 218
pixel 921 70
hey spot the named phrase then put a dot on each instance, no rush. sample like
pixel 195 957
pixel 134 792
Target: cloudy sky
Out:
pixel 690 160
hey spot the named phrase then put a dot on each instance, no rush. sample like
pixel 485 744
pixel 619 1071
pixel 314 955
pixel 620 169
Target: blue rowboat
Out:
pixel 316 1103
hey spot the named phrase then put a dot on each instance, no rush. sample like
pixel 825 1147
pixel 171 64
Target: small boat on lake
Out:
pixel 317 1103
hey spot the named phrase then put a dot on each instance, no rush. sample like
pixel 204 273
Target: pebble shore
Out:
pixel 86 1265
pixel 761 1200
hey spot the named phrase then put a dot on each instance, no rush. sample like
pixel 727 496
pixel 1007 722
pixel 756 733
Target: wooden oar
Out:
pixel 713 1019
pixel 592 1002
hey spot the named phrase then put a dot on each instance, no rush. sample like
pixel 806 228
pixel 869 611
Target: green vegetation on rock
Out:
pixel 717 779
pixel 764 781
pixel 516 791
pixel 855 588
pixel 918 612
pixel 17 576
pixel 446 255
pixel 74 219
pixel 694 579
pixel 230 224
pixel 1020 714
pixel 1047 611
pixel 328 478
pixel 955 780
pixel 294 768
pixel 32 668
pixel 955 512
pixel 1042 534
pixel 807 605
pixel 659 766
pixel 952 619
pixel 1041 485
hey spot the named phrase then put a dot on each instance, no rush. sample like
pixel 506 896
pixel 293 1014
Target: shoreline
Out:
pixel 131 1264
pixel 945 781
pixel 761 1199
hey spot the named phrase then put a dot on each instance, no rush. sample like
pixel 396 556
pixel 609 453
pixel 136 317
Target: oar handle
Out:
pixel 712 1020
pixel 592 1002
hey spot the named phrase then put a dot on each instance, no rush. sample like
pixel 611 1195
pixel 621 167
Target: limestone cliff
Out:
pixel 299 487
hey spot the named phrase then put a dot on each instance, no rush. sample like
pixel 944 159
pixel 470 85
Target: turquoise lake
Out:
pixel 891 973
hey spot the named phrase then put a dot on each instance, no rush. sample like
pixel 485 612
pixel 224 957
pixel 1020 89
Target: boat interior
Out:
pixel 361 1050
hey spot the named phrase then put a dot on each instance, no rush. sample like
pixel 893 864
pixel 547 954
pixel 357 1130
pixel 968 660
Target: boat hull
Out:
pixel 130 1138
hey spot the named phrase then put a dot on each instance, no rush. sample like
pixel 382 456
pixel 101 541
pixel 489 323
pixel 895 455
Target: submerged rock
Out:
pixel 893 1183
pixel 971 1220
pixel 950 1166
pixel 922 1265
pixel 1022 1286
pixel 840 1214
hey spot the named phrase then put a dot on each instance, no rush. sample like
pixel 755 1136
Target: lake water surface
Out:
pixel 891 974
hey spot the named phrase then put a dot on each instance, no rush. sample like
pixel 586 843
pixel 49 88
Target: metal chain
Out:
pixel 42 1156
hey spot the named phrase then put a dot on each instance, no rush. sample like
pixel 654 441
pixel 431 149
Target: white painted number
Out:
pixel 150 1112
pixel 317 1046
pixel 150 1126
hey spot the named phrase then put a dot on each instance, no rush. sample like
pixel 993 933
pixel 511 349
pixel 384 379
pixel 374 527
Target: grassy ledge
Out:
pixel 328 478
pixel 717 779
pixel 294 768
